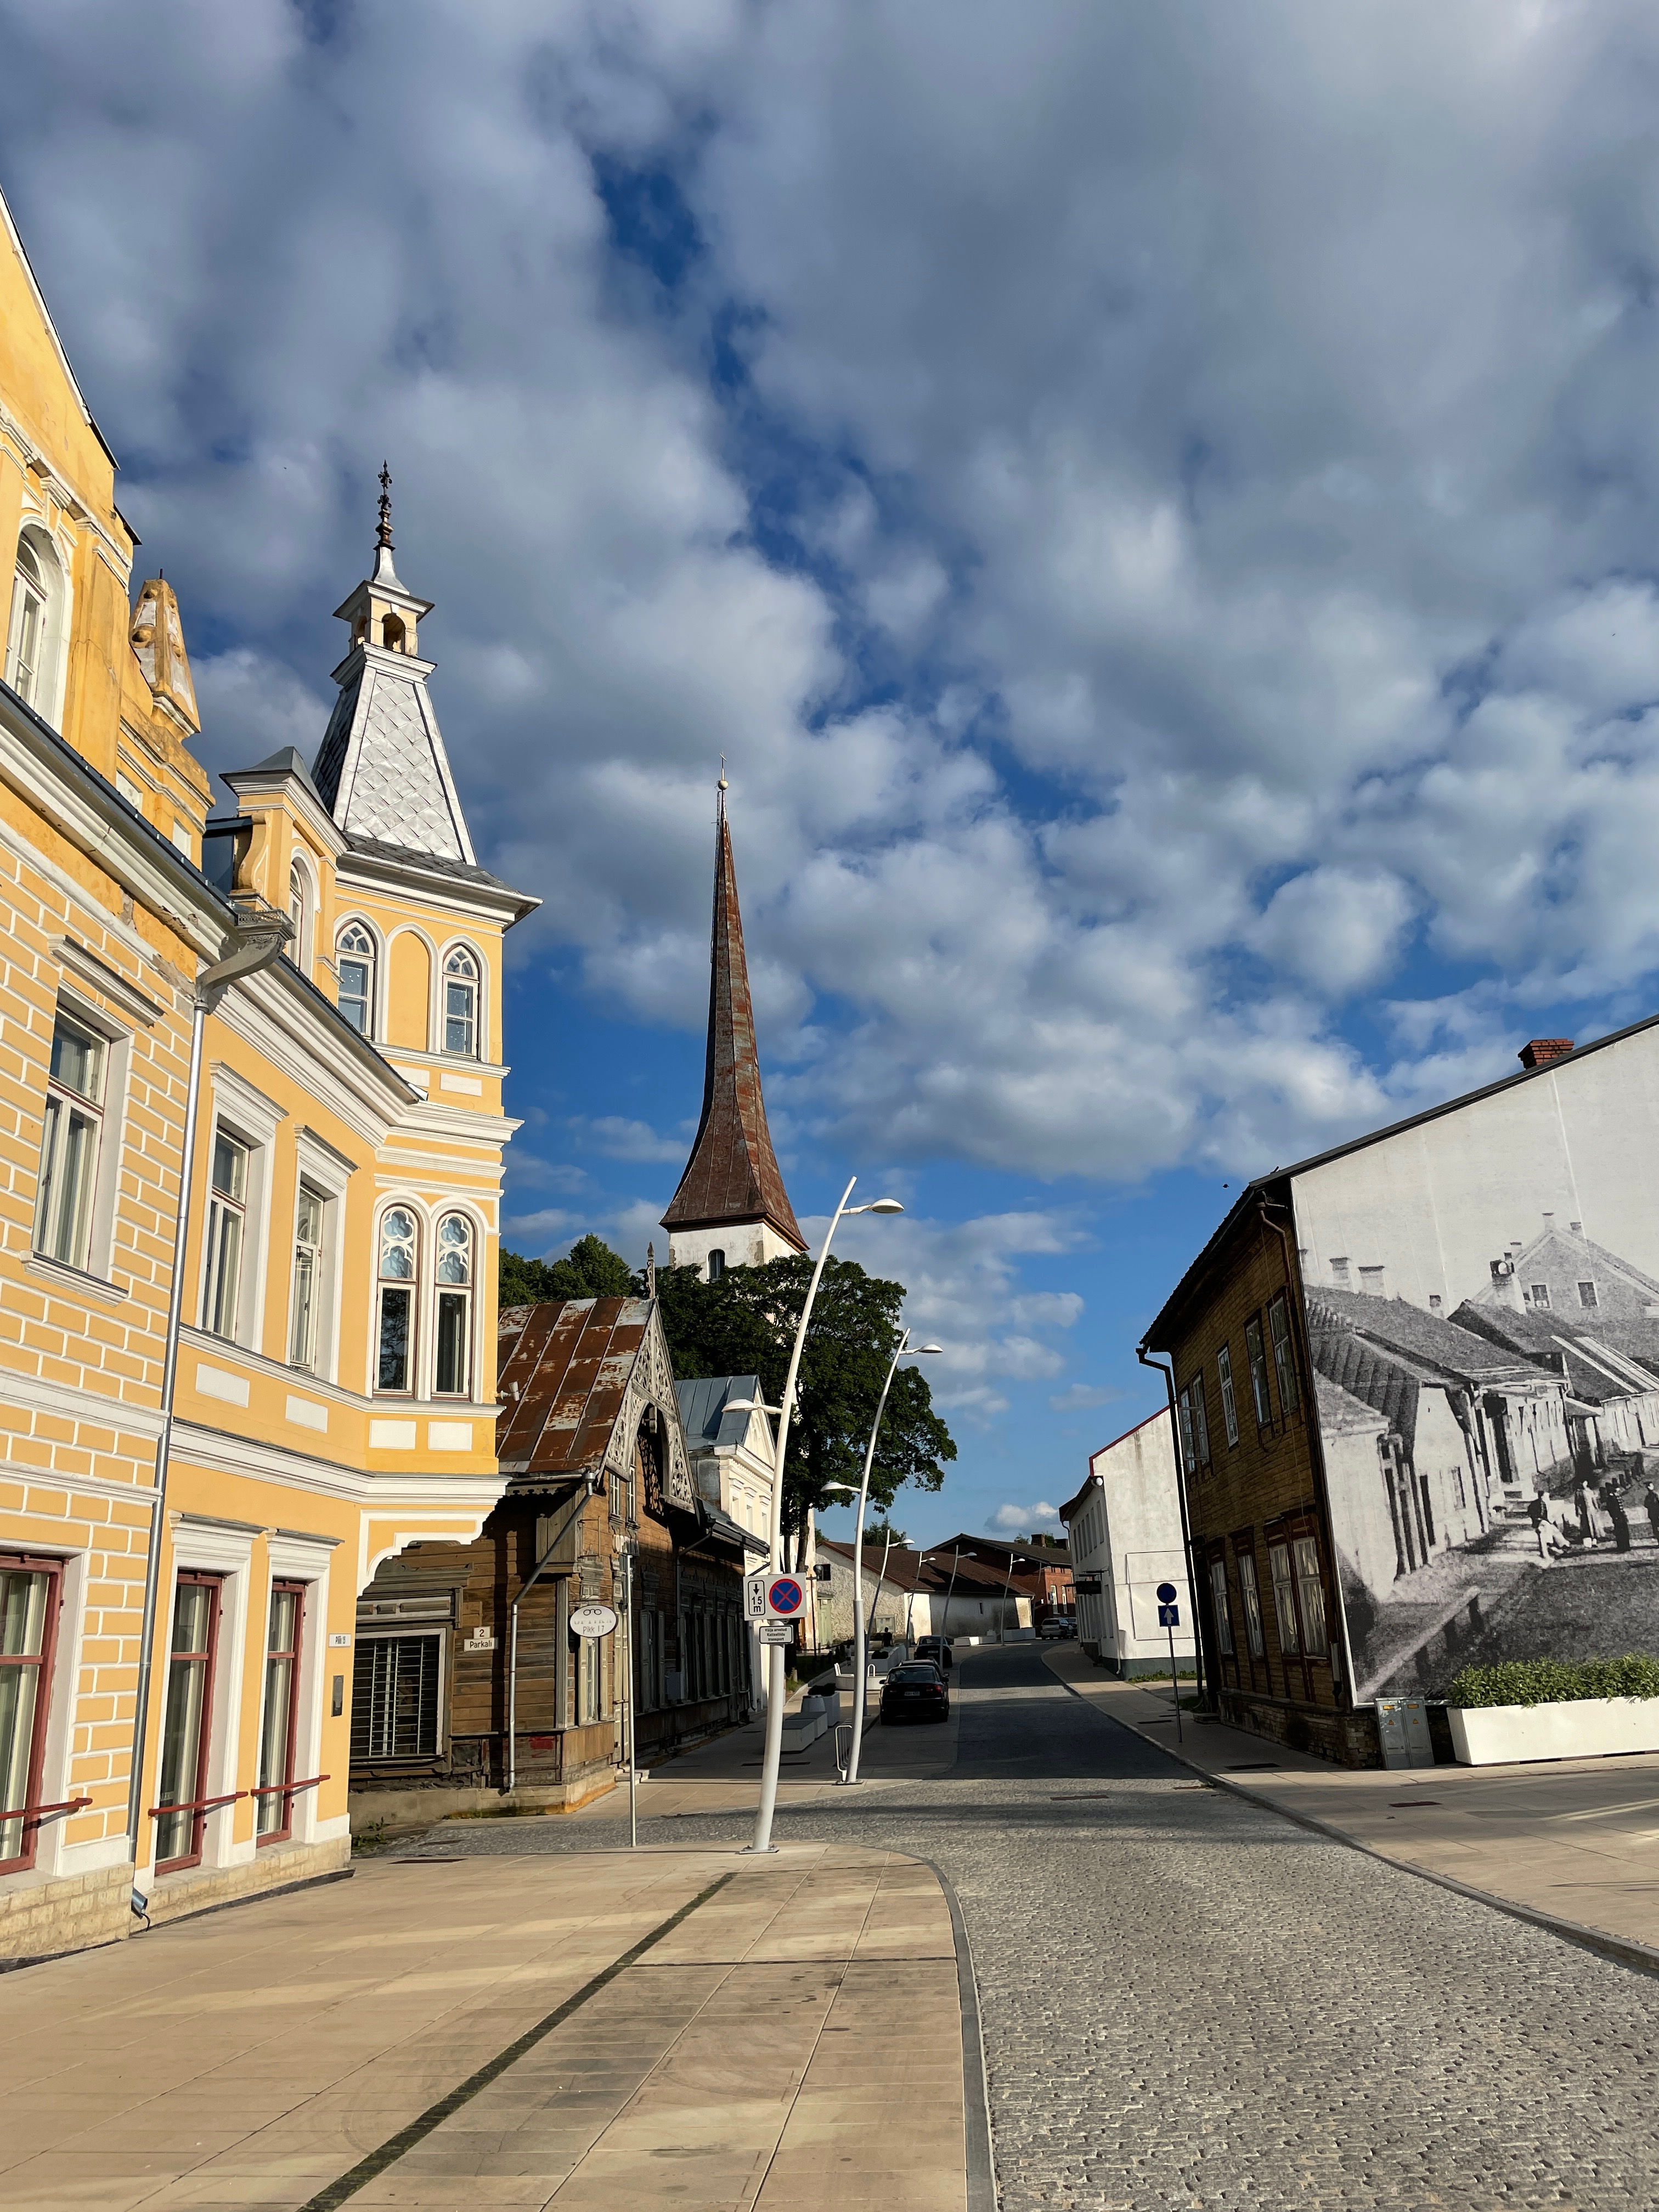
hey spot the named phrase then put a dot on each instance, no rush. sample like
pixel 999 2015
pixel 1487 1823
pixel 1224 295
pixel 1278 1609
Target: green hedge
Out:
pixel 1555 1681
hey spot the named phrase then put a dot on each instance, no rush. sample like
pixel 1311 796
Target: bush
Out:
pixel 1555 1681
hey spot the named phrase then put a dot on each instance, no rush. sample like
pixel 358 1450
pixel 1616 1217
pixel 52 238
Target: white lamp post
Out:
pixel 773 1755
pixel 906 1351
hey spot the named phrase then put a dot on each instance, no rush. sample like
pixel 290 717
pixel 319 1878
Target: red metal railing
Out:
pixel 201 1805
pixel 33 1812
pixel 287 1789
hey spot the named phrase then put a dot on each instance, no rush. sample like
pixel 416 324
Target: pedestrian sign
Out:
pixel 1168 1616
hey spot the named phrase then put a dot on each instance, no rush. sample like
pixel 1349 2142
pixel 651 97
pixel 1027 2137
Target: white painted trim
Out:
pixel 228 1553
pixel 104 979
pixel 74 1403
pixel 220 1451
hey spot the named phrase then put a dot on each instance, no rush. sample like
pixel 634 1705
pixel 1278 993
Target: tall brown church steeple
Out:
pixel 730 1209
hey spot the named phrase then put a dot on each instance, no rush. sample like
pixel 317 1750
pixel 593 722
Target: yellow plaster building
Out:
pixel 332 1324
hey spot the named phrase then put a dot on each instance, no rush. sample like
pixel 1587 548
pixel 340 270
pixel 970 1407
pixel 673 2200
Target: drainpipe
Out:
pixel 536 1573
pixel 1197 1582
pixel 257 938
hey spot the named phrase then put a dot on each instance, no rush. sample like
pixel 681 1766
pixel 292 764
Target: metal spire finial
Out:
pixel 383 531
pixel 650 1270
pixel 722 787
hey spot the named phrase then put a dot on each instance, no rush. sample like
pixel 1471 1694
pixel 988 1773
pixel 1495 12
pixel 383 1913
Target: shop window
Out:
pixel 279 1729
pixel 1224 1368
pixel 29 1594
pixel 186 1722
pixel 1224 1614
pixel 310 1214
pixel 1310 1590
pixel 454 1361
pixel 71 1138
pixel 1279 1327
pixel 461 1002
pixel 1257 1357
pixel 354 953
pixel 1251 1599
pixel 226 1232
pixel 396 1682
pixel 1278 1560
pixel 395 1315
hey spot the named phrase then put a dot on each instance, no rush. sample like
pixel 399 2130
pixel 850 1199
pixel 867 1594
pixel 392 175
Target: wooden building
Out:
pixel 473 1687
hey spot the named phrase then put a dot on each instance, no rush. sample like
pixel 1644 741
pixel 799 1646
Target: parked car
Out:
pixel 1055 1628
pixel 916 1691
pixel 936 1648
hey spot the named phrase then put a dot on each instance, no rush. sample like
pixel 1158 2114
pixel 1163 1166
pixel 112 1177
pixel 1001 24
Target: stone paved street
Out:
pixel 1191 2001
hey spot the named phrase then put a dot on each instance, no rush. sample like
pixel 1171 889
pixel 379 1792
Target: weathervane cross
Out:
pixel 383 533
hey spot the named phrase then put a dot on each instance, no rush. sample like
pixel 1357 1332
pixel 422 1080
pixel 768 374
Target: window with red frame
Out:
pixel 280 1726
pixel 29 1592
pixel 186 1722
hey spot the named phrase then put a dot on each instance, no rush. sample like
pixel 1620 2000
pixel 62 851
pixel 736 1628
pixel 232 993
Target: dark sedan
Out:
pixel 916 1691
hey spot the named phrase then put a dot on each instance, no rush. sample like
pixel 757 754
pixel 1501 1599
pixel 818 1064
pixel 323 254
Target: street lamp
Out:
pixel 906 1351
pixel 772 1759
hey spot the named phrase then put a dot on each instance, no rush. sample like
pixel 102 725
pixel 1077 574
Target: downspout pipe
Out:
pixel 1207 1672
pixel 536 1574
pixel 255 939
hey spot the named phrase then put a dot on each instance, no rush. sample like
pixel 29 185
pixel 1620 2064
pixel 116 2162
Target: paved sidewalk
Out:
pixel 1577 1839
pixel 795 2039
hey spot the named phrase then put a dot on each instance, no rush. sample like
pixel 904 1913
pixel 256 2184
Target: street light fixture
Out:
pixel 772 1759
pixel 906 1351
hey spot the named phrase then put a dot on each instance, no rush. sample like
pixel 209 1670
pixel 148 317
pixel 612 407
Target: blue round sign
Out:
pixel 1167 1593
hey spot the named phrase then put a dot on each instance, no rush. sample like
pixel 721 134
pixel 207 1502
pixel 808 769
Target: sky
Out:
pixel 1158 507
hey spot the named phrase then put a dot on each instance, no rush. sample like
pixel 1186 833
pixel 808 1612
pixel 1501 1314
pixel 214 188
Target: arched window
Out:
pixel 355 955
pixel 453 1378
pixel 400 1260
pixel 28 639
pixel 299 912
pixel 461 1002
pixel 392 631
pixel 716 1264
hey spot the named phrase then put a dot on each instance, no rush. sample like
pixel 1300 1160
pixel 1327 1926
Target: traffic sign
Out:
pixel 776 1631
pixel 786 1597
pixel 754 1596
pixel 1167 1593
pixel 1168 1616
pixel 592 1621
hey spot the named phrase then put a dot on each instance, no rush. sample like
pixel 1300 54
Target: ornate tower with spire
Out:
pixel 730 1209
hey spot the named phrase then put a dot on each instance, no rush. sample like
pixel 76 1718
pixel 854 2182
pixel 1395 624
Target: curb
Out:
pixel 1623 1950
pixel 983 2194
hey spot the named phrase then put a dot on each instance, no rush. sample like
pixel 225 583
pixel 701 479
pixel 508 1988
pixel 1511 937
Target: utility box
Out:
pixel 1403 1725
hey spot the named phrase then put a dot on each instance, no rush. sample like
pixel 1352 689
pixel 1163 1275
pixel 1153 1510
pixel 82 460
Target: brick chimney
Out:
pixel 1542 1050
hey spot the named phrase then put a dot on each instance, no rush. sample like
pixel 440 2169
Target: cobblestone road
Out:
pixel 1191 2002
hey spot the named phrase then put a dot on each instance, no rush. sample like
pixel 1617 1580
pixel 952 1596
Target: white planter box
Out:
pixel 1578 1728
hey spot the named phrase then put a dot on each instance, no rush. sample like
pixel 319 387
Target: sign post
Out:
pixel 1168 1616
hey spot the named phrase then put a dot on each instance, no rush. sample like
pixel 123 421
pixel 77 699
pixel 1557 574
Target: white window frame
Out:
pixel 1221 1604
pixel 1282 1344
pixel 1223 1369
pixel 303 1560
pixel 117 1042
pixel 468 1393
pixel 1249 1587
pixel 227 1552
pixel 248 1115
pixel 415 1283
pixel 328 1172
pixel 46 696
pixel 65 1110
pixel 442 1633
pixel 302 893
pixel 480 982
pixel 377 966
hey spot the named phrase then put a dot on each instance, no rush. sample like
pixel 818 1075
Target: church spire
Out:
pixel 730 1209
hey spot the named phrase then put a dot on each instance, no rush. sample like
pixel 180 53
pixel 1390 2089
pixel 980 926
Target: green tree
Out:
pixel 745 1324
pixel 592 1271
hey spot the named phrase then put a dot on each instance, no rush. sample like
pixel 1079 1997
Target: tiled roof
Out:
pixel 732 1173
pixel 565 1367
pixel 1430 1338
pixel 1595 1369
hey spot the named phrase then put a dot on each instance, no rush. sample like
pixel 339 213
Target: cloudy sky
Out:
pixel 1156 506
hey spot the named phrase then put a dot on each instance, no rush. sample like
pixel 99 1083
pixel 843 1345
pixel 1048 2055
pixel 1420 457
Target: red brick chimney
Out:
pixel 1544 1049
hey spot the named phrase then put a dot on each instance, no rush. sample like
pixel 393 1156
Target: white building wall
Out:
pixel 1129 1532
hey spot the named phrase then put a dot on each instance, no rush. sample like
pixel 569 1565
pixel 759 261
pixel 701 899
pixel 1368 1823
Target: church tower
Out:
pixel 730 1209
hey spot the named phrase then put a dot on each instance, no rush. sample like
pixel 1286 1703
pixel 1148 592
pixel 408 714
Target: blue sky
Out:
pixel 1158 507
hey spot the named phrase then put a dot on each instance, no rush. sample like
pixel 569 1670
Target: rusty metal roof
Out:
pixel 732 1173
pixel 565 1367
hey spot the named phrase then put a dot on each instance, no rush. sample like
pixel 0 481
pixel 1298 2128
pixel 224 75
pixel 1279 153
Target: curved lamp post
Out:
pixel 774 1669
pixel 906 1351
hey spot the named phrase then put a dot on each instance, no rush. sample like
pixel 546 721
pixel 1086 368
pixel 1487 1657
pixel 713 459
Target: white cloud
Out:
pixel 1081 1395
pixel 1233 472
pixel 1020 1520
pixel 616 1137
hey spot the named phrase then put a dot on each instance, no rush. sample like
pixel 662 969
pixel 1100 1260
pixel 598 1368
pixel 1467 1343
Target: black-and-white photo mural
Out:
pixel 1482 1307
